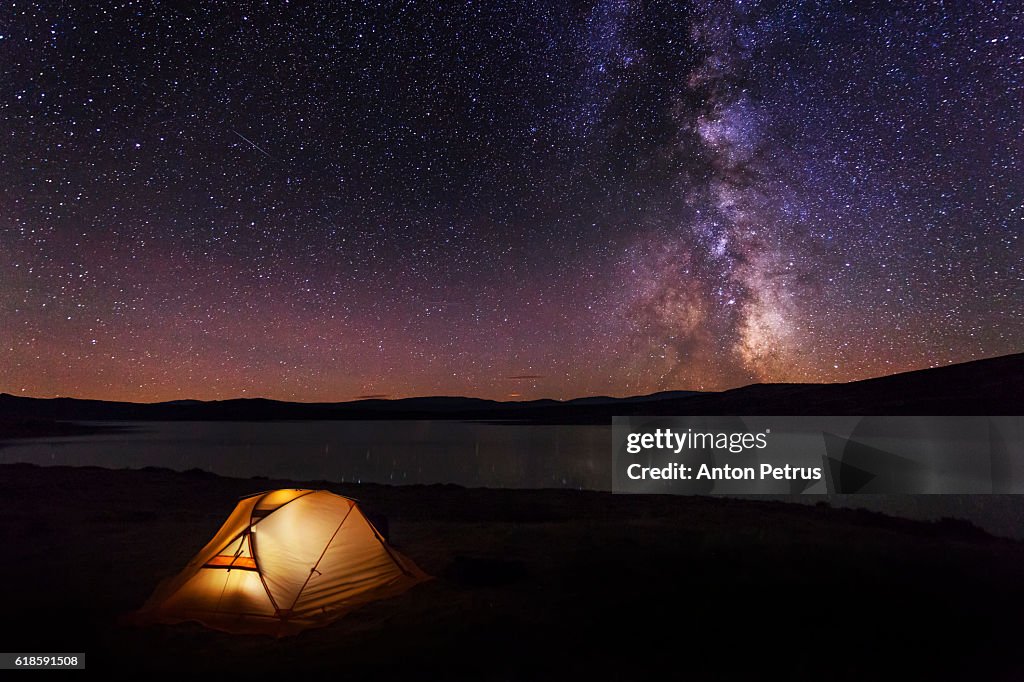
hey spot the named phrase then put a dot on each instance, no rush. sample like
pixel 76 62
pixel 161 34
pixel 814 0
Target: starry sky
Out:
pixel 325 201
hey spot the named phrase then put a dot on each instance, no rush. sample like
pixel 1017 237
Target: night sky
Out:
pixel 504 199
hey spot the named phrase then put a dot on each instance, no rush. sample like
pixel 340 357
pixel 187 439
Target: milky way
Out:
pixel 504 199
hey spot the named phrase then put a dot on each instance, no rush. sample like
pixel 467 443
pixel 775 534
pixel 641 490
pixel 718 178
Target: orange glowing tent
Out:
pixel 284 561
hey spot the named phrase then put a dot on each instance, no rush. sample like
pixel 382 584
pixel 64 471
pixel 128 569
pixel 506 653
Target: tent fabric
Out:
pixel 284 561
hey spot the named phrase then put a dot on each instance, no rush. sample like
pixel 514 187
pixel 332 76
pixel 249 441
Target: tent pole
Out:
pixel 320 558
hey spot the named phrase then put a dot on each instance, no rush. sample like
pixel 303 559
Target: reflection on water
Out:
pixel 409 452
pixel 471 454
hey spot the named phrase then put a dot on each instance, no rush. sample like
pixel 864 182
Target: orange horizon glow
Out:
pixel 539 389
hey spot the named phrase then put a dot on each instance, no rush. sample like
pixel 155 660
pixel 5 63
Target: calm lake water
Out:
pixel 471 454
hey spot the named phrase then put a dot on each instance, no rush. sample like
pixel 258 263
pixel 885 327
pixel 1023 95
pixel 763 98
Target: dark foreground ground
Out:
pixel 530 585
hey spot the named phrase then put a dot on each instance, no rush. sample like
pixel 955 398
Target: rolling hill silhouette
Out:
pixel 990 387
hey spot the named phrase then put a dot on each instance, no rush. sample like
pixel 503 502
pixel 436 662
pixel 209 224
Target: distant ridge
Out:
pixel 990 386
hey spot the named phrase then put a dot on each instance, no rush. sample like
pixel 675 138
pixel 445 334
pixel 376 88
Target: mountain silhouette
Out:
pixel 981 387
